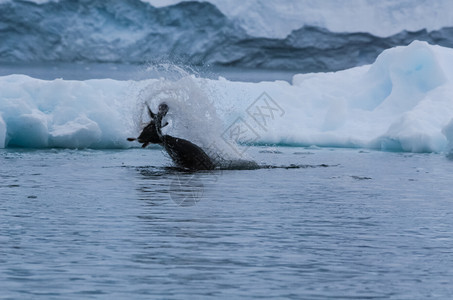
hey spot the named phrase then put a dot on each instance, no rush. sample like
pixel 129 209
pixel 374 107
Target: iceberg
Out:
pixel 2 133
pixel 69 114
pixel 401 102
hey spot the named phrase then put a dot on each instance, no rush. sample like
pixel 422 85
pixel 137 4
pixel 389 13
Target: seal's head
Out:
pixel 163 109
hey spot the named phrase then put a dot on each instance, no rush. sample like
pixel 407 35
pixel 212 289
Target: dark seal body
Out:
pixel 186 154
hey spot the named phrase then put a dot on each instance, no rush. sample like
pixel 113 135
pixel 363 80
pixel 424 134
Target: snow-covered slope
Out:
pixel 113 31
pixel 276 19
pixel 255 34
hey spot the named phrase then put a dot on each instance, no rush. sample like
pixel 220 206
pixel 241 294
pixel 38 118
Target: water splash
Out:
pixel 192 115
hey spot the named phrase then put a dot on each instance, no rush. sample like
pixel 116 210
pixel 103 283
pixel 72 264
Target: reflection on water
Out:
pixel 151 184
pixel 187 188
pixel 184 188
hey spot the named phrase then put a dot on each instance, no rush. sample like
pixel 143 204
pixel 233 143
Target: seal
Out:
pixel 184 153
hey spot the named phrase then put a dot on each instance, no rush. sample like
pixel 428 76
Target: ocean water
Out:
pixel 320 223
pixel 117 71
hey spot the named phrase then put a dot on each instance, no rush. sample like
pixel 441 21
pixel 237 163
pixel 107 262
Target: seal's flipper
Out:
pixel 150 112
pixel 131 139
pixel 145 144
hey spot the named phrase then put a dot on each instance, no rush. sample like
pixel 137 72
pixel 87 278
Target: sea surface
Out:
pixel 313 223
pixel 118 71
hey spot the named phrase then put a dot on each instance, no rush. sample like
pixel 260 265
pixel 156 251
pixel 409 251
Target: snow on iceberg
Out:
pixel 2 132
pixel 68 114
pixel 448 131
pixel 402 102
